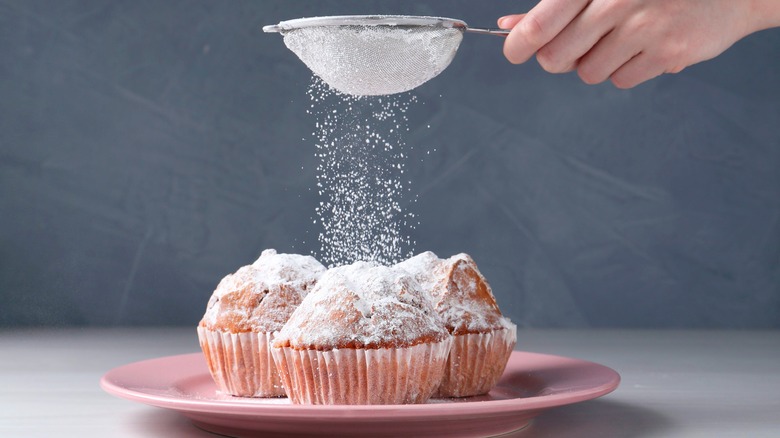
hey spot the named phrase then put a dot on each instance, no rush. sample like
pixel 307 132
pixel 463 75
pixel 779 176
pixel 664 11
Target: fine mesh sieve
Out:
pixel 370 55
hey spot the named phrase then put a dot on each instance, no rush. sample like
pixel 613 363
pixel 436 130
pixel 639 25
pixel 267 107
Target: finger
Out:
pixel 575 40
pixel 639 69
pixel 610 53
pixel 540 25
pixel 509 21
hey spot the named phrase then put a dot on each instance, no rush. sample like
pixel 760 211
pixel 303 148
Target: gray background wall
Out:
pixel 149 148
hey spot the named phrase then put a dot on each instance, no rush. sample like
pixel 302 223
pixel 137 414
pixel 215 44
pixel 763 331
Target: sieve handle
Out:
pixel 496 32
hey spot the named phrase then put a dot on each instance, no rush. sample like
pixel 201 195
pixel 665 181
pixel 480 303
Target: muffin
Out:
pixel 365 334
pixel 244 311
pixel 482 338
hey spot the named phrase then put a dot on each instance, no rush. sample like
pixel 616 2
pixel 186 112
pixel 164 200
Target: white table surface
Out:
pixel 674 383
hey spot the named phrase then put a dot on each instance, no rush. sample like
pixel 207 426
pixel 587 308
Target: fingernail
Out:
pixel 502 21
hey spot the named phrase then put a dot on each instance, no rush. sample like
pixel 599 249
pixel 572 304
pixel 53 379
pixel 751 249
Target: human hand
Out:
pixel 631 41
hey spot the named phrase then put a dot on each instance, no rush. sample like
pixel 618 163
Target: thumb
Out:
pixel 509 21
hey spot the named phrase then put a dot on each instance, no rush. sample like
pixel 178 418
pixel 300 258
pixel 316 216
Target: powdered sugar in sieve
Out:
pixel 369 55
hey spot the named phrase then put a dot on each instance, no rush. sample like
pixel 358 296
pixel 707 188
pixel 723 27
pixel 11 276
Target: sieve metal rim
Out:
pixel 366 20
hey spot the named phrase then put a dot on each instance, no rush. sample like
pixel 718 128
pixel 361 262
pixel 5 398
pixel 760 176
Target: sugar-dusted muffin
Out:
pixel 243 313
pixel 483 338
pixel 365 334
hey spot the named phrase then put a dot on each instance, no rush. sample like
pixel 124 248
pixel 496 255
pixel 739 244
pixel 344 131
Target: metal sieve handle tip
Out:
pixel 496 32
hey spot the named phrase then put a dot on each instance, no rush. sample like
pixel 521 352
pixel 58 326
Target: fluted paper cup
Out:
pixel 476 362
pixel 241 363
pixel 358 376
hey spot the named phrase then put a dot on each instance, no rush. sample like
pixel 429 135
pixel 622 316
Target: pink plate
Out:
pixel 531 383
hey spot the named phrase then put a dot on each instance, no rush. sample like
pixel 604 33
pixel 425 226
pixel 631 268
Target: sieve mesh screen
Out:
pixel 377 59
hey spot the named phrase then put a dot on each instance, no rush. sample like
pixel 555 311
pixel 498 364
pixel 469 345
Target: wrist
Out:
pixel 763 14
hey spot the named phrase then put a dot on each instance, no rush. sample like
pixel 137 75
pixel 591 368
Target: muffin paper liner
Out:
pixel 357 376
pixel 241 363
pixel 476 362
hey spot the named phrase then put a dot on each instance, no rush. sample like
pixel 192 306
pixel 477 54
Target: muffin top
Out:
pixel 458 292
pixel 363 305
pixel 260 297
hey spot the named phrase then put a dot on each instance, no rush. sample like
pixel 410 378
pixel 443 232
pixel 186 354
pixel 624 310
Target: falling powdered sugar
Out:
pixel 360 176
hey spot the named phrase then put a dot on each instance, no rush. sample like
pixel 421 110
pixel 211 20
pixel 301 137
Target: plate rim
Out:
pixel 110 384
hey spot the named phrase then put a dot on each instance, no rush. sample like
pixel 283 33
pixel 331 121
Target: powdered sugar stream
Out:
pixel 361 178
